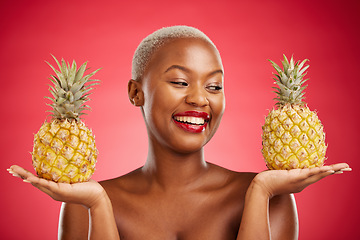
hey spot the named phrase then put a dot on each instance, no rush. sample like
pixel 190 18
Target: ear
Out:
pixel 136 95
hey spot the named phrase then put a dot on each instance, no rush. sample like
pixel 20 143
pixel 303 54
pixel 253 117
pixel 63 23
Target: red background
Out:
pixel 247 33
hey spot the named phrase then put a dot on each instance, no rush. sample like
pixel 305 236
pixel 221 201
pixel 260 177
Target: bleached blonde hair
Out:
pixel 155 40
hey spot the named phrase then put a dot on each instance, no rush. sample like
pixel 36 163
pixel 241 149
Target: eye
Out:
pixel 214 88
pixel 179 83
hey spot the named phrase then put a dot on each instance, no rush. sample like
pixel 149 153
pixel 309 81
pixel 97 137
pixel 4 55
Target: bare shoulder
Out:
pixel 129 183
pixel 125 191
pixel 239 181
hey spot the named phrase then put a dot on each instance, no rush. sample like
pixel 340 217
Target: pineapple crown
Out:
pixel 290 81
pixel 70 91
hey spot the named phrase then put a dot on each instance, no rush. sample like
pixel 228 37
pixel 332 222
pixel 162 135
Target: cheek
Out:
pixel 161 103
pixel 168 98
pixel 218 106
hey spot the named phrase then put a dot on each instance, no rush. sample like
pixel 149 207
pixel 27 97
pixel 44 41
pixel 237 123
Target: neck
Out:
pixel 173 170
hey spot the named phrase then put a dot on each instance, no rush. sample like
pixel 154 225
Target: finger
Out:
pixel 49 187
pixel 13 173
pixel 43 184
pixel 324 171
pixel 343 170
pixel 319 170
pixel 20 172
pixel 346 169
pixel 335 168
pixel 317 177
pixel 28 177
pixel 340 166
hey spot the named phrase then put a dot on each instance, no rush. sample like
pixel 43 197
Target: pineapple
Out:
pixel 293 136
pixel 64 149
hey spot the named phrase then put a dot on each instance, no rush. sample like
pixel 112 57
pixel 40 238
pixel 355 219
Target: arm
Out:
pixel 273 187
pixel 283 217
pixel 89 194
pixel 255 219
pixel 76 222
pixel 102 221
pixel 73 222
pixel 265 218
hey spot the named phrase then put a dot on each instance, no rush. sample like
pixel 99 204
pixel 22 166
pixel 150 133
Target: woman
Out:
pixel 177 81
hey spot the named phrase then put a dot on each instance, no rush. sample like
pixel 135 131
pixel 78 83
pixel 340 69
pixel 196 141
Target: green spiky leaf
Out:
pixel 70 90
pixel 289 80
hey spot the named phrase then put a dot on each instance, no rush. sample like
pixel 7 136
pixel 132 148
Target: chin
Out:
pixel 188 146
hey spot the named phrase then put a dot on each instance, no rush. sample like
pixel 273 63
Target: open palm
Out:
pixel 86 193
pixel 276 182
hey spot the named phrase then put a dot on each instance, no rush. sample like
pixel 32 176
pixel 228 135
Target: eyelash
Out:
pixel 181 83
pixel 214 88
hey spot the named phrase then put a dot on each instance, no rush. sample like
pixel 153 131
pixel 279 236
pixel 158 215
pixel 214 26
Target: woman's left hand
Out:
pixel 276 182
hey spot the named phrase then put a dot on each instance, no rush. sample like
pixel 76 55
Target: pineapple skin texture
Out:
pixel 293 137
pixel 64 151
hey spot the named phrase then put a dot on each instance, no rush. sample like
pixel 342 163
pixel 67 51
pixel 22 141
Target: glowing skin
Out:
pixel 185 80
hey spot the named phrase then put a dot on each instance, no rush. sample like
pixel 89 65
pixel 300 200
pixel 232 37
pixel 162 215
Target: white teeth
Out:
pixel 191 120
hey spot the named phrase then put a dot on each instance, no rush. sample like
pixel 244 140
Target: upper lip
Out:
pixel 203 115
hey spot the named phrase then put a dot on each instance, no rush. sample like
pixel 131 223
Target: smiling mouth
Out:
pixel 190 120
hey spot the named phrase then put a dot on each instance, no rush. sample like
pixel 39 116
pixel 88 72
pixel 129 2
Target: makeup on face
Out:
pixel 183 94
pixel 192 121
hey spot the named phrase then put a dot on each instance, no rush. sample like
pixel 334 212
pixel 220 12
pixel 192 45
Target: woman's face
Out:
pixel 183 94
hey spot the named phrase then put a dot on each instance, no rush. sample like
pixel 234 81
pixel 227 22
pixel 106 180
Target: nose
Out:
pixel 196 96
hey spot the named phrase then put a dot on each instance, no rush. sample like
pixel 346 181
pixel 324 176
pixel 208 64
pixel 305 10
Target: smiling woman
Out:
pixel 178 86
pixel 184 75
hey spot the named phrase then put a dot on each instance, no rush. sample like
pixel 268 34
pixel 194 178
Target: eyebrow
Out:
pixel 177 67
pixel 182 68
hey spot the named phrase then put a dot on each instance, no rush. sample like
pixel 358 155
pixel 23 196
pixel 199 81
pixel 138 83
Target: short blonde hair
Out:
pixel 154 41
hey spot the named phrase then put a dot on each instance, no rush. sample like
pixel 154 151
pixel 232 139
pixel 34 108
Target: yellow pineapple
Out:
pixel 64 149
pixel 293 136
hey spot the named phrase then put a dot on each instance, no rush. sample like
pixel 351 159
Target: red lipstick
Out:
pixel 192 121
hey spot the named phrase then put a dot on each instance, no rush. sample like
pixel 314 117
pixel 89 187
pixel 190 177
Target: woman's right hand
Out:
pixel 87 194
pixel 276 182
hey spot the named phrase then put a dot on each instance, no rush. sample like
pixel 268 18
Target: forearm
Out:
pixel 102 221
pixel 255 219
